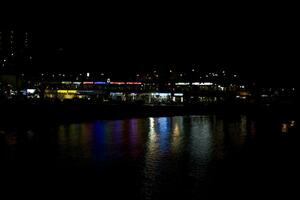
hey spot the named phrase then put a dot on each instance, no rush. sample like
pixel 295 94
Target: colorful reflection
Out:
pixel 176 140
pixel 159 151
pixel 164 129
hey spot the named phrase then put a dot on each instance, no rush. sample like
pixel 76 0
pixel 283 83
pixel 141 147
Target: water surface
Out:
pixel 180 157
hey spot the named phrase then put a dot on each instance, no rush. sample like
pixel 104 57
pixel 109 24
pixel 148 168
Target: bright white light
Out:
pixel 161 94
pixel 182 83
pixel 88 74
pixel 202 83
pixel 30 91
pixel 178 94
pixel 222 88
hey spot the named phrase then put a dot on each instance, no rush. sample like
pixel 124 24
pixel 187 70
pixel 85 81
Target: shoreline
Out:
pixel 16 113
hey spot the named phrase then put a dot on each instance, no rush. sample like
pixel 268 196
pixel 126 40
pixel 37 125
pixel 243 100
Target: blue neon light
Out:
pixel 100 83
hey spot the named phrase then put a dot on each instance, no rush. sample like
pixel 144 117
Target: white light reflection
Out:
pixel 151 159
pixel 201 147
pixel 176 135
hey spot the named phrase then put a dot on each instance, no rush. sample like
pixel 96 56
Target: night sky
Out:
pixel 121 40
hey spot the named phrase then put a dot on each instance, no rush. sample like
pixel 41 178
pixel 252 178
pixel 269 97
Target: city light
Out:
pixel 100 83
pixel 31 91
pixel 117 83
pixel 161 94
pixel 66 82
pixel 182 83
pixel 67 91
pixel 133 83
pixel 88 83
pixel 178 94
pixel 116 93
pixel 222 88
pixel 202 83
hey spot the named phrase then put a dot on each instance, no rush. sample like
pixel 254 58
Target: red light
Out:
pixel 133 83
pixel 88 83
pixel 117 83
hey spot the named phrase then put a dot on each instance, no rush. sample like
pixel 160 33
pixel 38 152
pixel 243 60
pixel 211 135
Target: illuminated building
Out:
pixel 209 88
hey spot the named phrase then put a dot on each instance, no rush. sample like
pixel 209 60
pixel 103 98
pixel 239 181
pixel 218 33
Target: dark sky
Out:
pixel 70 38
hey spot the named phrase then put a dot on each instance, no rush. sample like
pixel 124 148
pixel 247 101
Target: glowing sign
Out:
pixel 202 83
pixel 117 83
pixel 88 83
pixel 181 83
pixel 133 83
pixel 178 94
pixel 161 94
pixel 66 82
pixel 67 91
pixel 76 83
pixel 116 93
pixel 100 83
pixel 206 83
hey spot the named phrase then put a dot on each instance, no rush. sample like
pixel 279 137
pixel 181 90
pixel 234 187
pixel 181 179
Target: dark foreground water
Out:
pixel 180 157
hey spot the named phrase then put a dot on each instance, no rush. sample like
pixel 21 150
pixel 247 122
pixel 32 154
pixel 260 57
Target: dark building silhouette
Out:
pixel 15 55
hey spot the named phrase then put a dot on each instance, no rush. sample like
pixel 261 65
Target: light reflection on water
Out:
pixel 166 151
